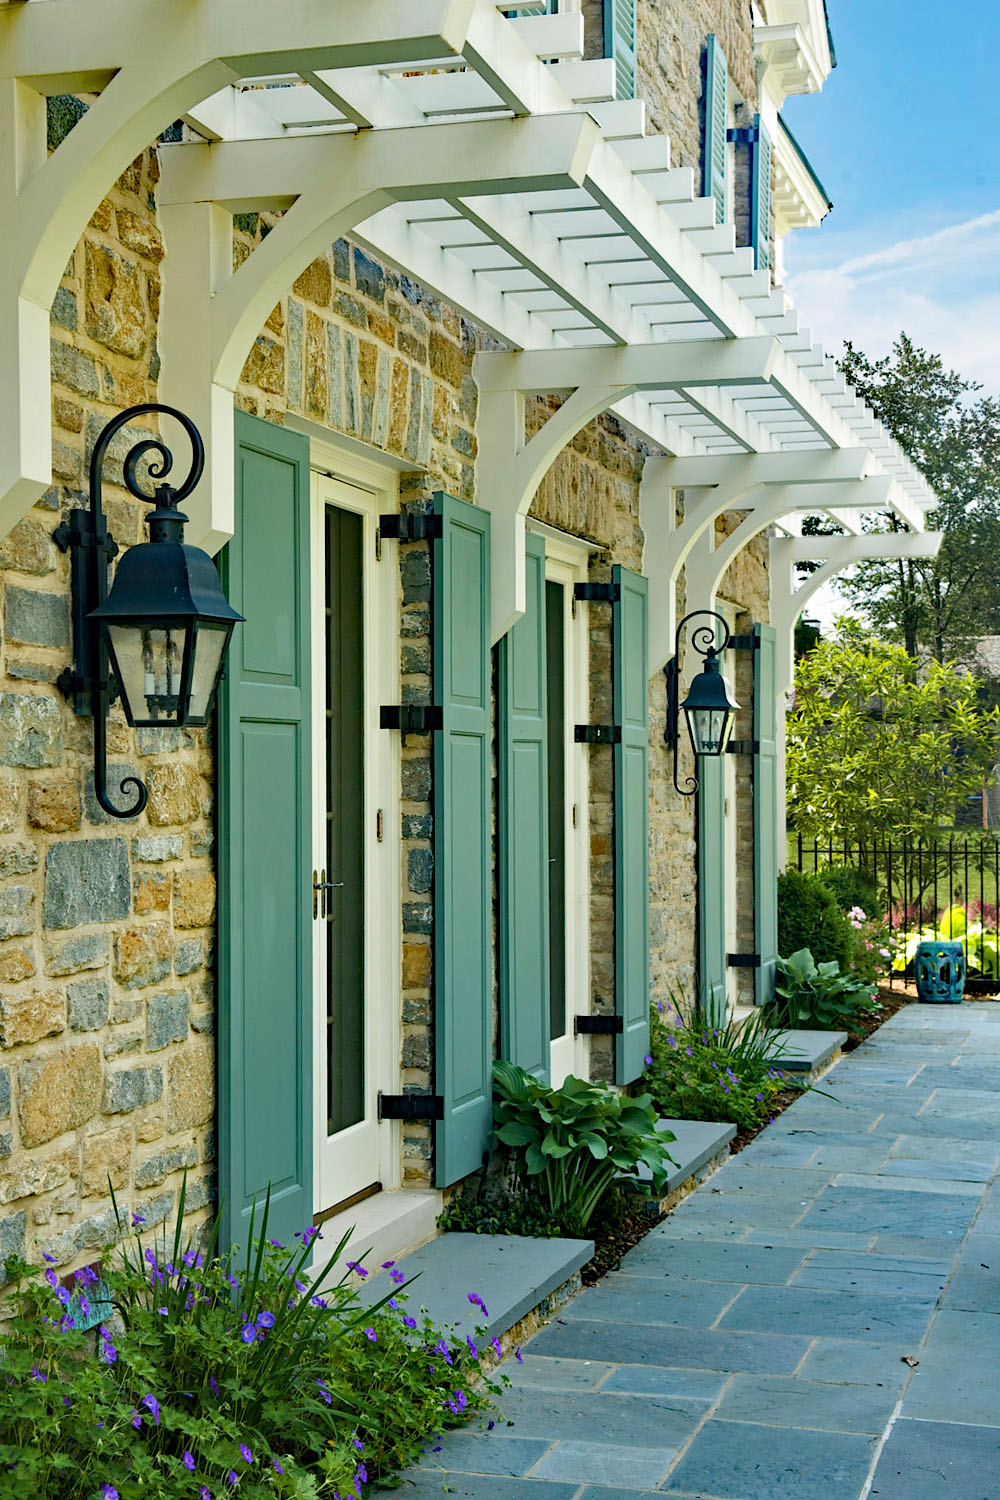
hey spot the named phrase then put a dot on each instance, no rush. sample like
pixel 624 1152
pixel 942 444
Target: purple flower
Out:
pixel 50 1258
pixel 317 1301
pixel 66 1323
pixel 249 1333
pixel 472 1345
pixel 86 1276
pixel 497 1347
pixel 164 1312
pixel 517 1356
pixel 187 1459
pixel 277 1467
pixel 478 1302
pixel 108 1492
pixel 150 1402
pixel 108 1351
pixel 37 1374
pixel 361 1475
pixel 62 1295
pixel 392 1305
pixel 648 1060
pixel 355 1265
pixel 397 1277
pixel 388 1264
pixel 233 1477
pixel 688 1051
pixel 265 1320
pixel 246 1454
pixel 371 1335
pixel 442 1349
pixel 213 1385
pixel 136 1420
pixel 357 1442
pixel 324 1392
pixel 204 1493
pixel 409 1322
pixel 52 1279
pixel 137 1221
pixel 84 1306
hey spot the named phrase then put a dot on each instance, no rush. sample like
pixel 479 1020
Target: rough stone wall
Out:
pixel 671 58
pixel 106 1005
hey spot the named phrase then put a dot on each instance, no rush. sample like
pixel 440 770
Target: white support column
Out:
pixel 510 473
pixel 834 554
pixel 211 314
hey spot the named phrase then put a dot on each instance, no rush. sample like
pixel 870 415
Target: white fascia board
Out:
pixel 843 550
pixel 636 367
pixel 551 37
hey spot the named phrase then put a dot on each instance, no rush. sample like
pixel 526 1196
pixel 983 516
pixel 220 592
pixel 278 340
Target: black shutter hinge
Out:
pixel 748 135
pixel 743 960
pixel 413 526
pixel 597 734
pixel 598 593
pixel 743 747
pixel 598 1025
pixel 410 1106
pixel 410 718
pixel 744 643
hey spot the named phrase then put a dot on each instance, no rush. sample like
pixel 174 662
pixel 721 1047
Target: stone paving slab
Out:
pixel 820 1320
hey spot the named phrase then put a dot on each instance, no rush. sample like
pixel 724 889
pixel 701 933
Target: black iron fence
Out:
pixel 926 888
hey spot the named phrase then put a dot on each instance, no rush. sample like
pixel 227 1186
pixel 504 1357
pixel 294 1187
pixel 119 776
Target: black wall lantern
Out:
pixel 709 708
pixel 158 639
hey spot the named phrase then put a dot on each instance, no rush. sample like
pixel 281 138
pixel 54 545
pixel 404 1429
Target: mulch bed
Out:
pixel 620 1231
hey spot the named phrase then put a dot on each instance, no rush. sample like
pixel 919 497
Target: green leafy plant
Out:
pixel 216 1375
pixel 819 996
pixel 516 1212
pixel 852 887
pixel 979 943
pixel 570 1144
pixel 697 1071
pixel 809 916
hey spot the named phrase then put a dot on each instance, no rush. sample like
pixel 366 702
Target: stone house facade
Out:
pixel 110 1007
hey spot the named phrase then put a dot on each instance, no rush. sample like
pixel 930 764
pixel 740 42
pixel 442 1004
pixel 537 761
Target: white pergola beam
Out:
pixel 638 367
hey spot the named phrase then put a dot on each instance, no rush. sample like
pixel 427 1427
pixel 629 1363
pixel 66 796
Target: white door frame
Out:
pixel 353 482
pixel 566 559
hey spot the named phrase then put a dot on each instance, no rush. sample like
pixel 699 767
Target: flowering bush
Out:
pixel 214 1379
pixel 696 1071
pixel 871 956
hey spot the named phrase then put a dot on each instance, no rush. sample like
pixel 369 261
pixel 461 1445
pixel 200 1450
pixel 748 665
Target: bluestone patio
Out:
pixel 820 1320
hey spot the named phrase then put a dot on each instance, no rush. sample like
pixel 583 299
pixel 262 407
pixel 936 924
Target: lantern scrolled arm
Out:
pixel 158 638
pixel 709 708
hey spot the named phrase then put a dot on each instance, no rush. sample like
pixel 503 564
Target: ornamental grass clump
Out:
pixel 700 1071
pixel 572 1144
pixel 218 1375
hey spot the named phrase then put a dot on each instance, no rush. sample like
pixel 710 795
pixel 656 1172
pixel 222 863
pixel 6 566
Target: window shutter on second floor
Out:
pixel 620 43
pixel 760 196
pixel 716 98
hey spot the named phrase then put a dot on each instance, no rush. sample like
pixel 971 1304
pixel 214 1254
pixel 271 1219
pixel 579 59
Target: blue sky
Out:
pixel 904 137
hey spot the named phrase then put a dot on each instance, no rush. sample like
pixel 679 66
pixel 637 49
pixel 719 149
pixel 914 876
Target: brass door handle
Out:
pixel 320 888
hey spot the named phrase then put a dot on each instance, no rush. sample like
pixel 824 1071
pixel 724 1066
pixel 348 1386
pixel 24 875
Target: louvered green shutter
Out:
pixel 713 183
pixel 711 836
pixel 631 822
pixel 522 828
pixel 463 991
pixel 760 197
pixel 265 1000
pixel 620 43
pixel 765 812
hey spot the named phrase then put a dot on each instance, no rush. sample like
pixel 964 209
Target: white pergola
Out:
pixel 482 156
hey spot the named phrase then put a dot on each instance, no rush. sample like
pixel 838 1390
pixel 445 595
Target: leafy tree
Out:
pixel 881 745
pixel 935 606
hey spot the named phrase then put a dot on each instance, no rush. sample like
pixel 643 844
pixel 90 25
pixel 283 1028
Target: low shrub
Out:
pixel 570 1145
pixel 214 1378
pixel 819 997
pixel 810 917
pixel 508 1209
pixel 697 1071
pixel 852 887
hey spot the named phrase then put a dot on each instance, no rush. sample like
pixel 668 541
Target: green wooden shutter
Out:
pixel 631 822
pixel 463 998
pixel 522 828
pixel 765 812
pixel 713 180
pixel 620 43
pixel 711 837
pixel 760 197
pixel 265 836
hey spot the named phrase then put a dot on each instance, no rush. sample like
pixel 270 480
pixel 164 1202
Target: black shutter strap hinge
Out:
pixel 743 960
pixel 598 593
pixel 744 643
pixel 748 135
pixel 415 526
pixel 598 1025
pixel 411 718
pixel 410 1106
pixel 743 747
pixel 597 734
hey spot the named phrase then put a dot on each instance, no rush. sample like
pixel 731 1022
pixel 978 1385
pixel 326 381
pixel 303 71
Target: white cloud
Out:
pixel 941 288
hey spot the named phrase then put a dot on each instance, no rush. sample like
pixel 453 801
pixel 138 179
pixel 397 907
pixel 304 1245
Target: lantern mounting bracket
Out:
pixel 705 640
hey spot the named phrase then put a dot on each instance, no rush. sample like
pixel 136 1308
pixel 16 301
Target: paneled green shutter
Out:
pixel 522 828
pixel 264 785
pixel 620 43
pixel 765 812
pixel 631 825
pixel 713 180
pixel 463 991
pixel 711 836
pixel 760 197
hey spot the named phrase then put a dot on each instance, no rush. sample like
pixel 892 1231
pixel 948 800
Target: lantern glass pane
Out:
pixel 209 649
pixel 710 729
pixel 149 660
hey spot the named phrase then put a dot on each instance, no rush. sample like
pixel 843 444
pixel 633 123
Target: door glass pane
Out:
pixel 555 648
pixel 344 820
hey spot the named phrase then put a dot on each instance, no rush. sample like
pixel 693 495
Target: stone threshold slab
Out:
pixel 698 1141
pixel 511 1273
pixel 806 1051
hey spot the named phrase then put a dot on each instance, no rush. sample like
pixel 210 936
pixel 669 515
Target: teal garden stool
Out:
pixel 940 973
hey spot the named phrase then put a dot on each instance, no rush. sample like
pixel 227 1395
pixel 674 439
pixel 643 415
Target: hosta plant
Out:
pixel 979 943
pixel 572 1143
pixel 819 996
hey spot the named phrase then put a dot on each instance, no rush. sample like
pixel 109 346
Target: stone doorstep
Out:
pixel 698 1143
pixel 383 1227
pixel 511 1273
pixel 808 1052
